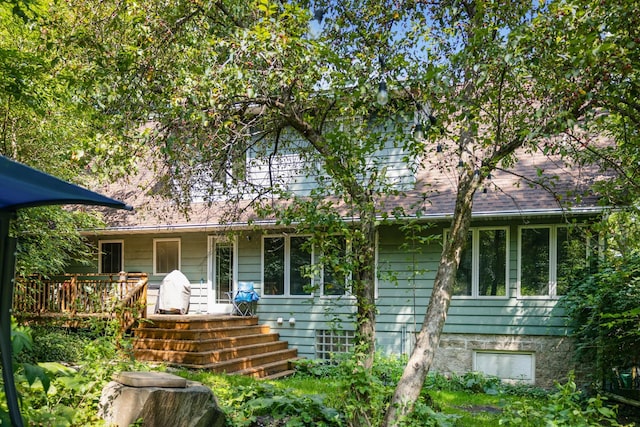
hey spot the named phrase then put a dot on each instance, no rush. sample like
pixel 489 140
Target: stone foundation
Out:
pixel 553 355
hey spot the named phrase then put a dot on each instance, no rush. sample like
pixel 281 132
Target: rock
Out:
pixel 150 379
pixel 190 404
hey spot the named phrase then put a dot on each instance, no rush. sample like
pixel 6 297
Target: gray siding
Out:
pixel 297 174
pixel 401 301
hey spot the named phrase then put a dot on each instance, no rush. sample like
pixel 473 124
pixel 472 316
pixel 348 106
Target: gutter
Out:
pixel 271 224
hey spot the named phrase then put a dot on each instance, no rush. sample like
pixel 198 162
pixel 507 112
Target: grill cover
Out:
pixel 174 295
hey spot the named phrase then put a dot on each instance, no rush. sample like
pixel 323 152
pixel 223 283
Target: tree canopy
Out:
pixel 197 88
pixel 43 125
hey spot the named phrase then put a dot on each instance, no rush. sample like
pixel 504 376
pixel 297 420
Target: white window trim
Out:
pixel 553 261
pixel 287 266
pixel 155 253
pixel 475 265
pixel 100 242
pixel 212 242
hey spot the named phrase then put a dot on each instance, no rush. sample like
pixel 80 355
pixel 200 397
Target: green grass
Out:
pixel 470 409
pixel 474 409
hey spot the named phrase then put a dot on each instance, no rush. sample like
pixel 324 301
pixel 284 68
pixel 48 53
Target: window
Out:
pixel 284 261
pixel 548 254
pixel 506 365
pixel 223 275
pixel 166 255
pixel 329 342
pixel 111 259
pixel 483 264
pixel 217 172
pixel 334 273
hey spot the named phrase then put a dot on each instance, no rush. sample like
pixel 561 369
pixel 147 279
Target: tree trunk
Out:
pixel 428 339
pixel 364 286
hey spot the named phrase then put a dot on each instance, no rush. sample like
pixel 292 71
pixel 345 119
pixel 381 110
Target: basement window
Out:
pixel 515 367
pixel 329 342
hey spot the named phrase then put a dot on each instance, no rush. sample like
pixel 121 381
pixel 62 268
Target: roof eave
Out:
pixel 271 224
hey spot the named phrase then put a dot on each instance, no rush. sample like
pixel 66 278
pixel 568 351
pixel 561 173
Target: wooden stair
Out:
pixel 219 343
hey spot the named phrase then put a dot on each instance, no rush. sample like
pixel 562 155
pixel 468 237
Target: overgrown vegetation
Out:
pixel 604 306
pixel 324 393
pixel 61 374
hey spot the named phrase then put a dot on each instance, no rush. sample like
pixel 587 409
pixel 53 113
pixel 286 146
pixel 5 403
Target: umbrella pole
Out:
pixel 7 272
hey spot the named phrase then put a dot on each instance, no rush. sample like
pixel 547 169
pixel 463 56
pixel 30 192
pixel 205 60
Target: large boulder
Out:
pixel 159 400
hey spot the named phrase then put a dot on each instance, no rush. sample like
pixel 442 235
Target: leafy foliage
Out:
pixel 587 51
pixel 43 125
pixel 514 403
pixel 319 393
pixel 49 240
pixel 566 407
pixel 53 344
pixel 603 306
pixel 54 393
pixel 262 402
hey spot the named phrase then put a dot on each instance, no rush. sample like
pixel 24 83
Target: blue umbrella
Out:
pixel 23 187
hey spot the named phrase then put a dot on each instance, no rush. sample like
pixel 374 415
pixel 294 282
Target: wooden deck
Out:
pixel 219 343
pixel 76 298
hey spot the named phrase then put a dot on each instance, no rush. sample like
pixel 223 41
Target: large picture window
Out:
pixel 111 259
pixel 166 256
pixel 284 261
pixel 483 264
pixel 547 255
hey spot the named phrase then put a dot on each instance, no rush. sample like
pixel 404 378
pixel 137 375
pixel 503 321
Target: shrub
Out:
pixel 603 308
pixel 603 303
pixel 56 395
pixel 566 407
pixel 57 345
pixel 265 405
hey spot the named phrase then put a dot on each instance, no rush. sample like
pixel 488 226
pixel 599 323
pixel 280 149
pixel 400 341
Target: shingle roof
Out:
pixel 537 184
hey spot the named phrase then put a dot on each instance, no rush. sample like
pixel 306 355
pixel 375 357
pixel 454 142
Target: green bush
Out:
pixel 604 312
pixel 567 407
pixel 264 404
pixel 474 382
pixel 57 345
pixel 603 301
pixel 53 394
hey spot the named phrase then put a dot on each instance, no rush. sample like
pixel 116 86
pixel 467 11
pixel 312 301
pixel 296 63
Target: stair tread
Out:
pixel 221 329
pixel 205 352
pixel 211 340
pixel 267 367
pixel 278 375
pixel 243 359
pixel 248 347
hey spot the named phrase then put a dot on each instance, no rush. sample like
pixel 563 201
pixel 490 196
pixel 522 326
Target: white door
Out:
pixel 223 262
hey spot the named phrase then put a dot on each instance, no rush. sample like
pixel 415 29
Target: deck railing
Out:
pixel 83 295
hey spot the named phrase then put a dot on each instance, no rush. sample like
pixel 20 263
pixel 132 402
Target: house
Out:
pixel 504 318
